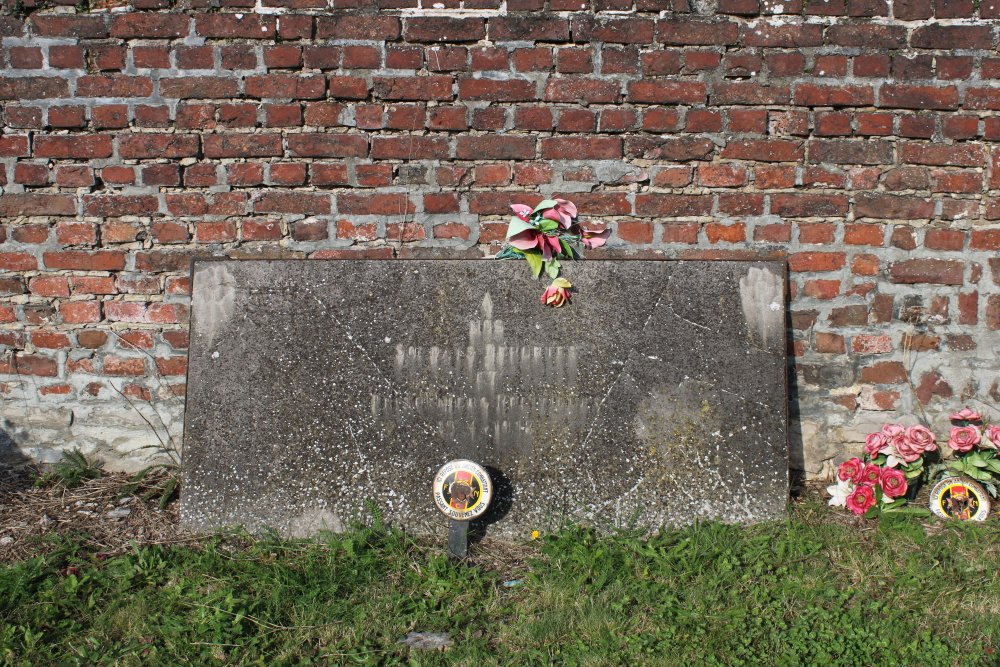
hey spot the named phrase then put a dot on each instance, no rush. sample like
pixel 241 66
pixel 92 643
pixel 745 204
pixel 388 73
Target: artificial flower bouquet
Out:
pixel 897 459
pixel 975 450
pixel 545 234
pixel 893 464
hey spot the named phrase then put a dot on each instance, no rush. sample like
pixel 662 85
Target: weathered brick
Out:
pixel 932 271
pixel 242 145
pixel 443 29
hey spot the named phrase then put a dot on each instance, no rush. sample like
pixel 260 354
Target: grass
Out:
pixel 819 588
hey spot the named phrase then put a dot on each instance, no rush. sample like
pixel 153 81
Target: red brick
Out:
pixel 810 262
pixel 286 86
pixel 864 234
pixel 199 87
pixel 764 150
pixel 734 233
pixel 379 204
pixel 581 148
pixel 29 364
pixel 927 271
pixel 672 206
pixel 667 92
pixel 367 27
pixel 149 26
pixel 33 88
pixel 73 147
pixel 870 205
pixel 696 32
pixel 242 145
pixel 80 312
pixel 906 96
pixel 327 145
pixel 49 286
pixel 435 87
pixel 871 344
pixel 443 29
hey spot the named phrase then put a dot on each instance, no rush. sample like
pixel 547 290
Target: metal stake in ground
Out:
pixel 462 491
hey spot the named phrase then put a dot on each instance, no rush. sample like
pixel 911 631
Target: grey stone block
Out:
pixel 320 390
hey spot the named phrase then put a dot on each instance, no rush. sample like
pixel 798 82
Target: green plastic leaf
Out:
pixel 913 474
pixel 517 226
pixel 993 466
pixel 871 513
pixel 552 268
pixel 544 204
pixel 535 262
pixel 548 226
pixel 880 460
pixel 976 459
pixel 567 249
pixel 991 488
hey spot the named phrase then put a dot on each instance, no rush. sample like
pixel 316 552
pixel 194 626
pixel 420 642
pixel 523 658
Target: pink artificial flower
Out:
pixel 893 482
pixel 861 499
pixel 522 211
pixel 963 438
pixel 557 293
pixel 531 238
pixel 894 434
pixel 563 212
pixel 921 439
pixel 594 238
pixel 874 442
pixel 993 437
pixel 871 474
pixel 906 451
pixel 851 469
pixel 966 415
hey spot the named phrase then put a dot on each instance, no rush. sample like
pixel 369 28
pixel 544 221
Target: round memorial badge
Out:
pixel 462 490
pixel 960 498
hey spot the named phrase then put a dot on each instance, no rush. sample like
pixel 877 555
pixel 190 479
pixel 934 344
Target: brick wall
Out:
pixel 855 136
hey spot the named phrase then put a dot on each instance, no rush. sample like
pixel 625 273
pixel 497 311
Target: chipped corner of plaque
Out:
pixel 762 301
pixel 213 299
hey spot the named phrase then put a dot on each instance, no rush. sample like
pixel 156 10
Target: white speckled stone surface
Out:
pixel 317 390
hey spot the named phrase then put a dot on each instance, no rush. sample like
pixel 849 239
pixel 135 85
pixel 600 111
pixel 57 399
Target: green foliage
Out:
pixel 807 591
pixel 72 470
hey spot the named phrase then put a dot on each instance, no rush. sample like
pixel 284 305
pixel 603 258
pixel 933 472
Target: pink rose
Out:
pixel 921 439
pixel 963 438
pixel 993 437
pixel 861 499
pixel 894 434
pixel 907 451
pixel 871 474
pixel 851 469
pixel 874 442
pixel 966 415
pixel 893 482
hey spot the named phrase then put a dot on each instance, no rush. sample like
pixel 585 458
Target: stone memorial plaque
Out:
pixel 319 390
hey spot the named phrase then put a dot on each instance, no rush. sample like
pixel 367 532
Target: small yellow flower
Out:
pixel 534 534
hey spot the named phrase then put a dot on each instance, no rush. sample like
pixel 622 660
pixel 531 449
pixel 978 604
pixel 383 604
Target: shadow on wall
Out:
pixel 12 460
pixel 796 447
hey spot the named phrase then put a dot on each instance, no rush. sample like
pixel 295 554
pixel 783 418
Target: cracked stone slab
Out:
pixel 319 392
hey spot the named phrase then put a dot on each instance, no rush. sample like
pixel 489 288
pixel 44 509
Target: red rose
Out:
pixel 871 474
pixel 893 482
pixel 861 499
pixel 851 469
